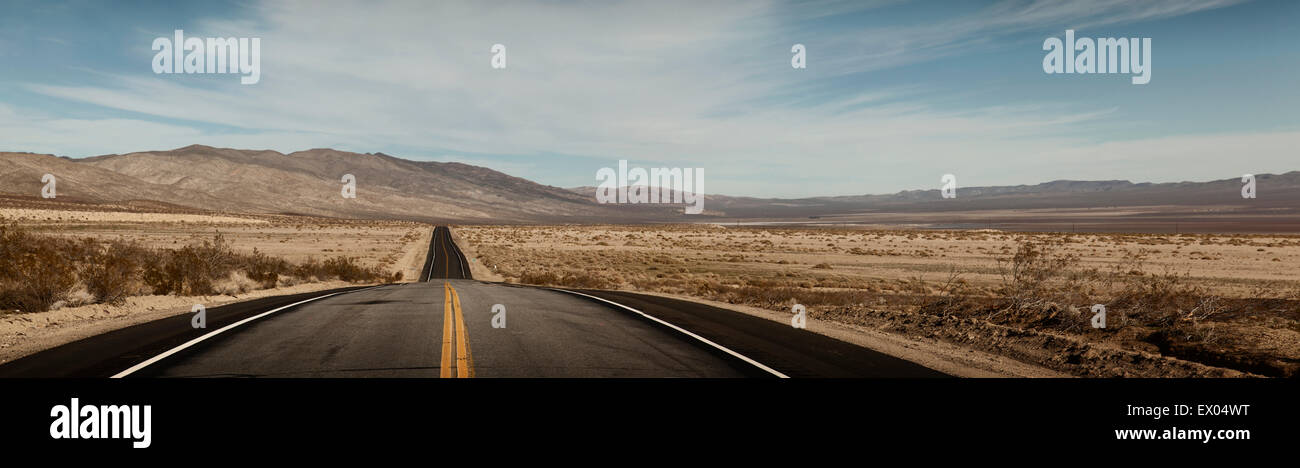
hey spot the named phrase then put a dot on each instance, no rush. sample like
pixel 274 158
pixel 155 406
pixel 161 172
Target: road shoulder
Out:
pixel 943 357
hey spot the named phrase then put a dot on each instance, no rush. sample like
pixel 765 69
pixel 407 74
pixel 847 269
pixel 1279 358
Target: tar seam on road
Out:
pixel 684 331
pixel 218 331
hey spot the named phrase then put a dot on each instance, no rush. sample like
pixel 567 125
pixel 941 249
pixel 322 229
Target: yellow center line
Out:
pixel 453 318
pixel 447 318
pixel 446 266
pixel 464 360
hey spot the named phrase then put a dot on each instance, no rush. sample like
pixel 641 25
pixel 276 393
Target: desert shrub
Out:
pixel 344 268
pixel 192 269
pixel 544 278
pixel 202 264
pixel 311 270
pixel 1164 300
pixel 1035 275
pixel 35 271
pixel 111 273
pixel 585 280
pixel 160 274
pixel 784 296
pixel 1043 289
pixel 569 279
pixel 707 287
pixel 234 284
pixel 265 270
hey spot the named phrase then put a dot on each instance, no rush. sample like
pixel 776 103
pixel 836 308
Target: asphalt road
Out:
pixel 449 325
pixel 445 260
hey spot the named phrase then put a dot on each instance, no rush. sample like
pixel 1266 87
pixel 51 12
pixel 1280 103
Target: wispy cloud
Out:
pixel 700 84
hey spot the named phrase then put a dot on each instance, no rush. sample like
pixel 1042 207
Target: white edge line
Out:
pixel 200 339
pixel 460 257
pixel 432 253
pixel 464 261
pixel 688 333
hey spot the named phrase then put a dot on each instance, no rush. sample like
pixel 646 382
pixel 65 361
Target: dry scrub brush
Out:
pixel 1045 288
pixel 35 271
pixel 38 272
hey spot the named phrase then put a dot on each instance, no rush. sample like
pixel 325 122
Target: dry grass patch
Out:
pixel 40 272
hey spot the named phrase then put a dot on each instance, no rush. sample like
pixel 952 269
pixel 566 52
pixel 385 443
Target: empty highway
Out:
pixel 449 325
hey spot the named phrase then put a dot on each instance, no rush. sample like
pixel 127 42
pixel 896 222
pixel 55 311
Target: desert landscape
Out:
pixel 70 270
pixel 1177 305
pixel 294 226
pixel 1194 279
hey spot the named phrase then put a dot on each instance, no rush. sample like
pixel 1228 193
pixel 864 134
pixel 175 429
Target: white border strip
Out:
pixel 433 254
pixel 680 329
pixel 464 261
pixel 218 331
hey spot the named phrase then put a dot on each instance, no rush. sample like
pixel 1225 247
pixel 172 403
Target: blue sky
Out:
pixel 895 95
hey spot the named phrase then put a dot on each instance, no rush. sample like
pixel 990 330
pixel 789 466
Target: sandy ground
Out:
pixel 411 260
pixel 27 215
pixel 476 267
pixel 877 281
pixel 390 244
pixel 1237 266
pixel 1133 215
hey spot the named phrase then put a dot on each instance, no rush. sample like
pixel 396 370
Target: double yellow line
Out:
pixel 446 256
pixel 453 329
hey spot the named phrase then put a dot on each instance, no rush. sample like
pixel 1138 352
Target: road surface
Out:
pixel 452 326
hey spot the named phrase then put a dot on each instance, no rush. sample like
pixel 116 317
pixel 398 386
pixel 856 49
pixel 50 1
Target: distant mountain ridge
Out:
pixel 1280 191
pixel 308 182
pixel 303 182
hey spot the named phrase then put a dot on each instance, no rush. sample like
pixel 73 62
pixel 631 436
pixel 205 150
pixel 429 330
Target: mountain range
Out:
pixel 309 183
pixel 303 183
